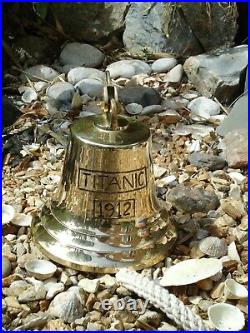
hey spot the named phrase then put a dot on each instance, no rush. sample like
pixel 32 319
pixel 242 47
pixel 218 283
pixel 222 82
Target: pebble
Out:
pixel 90 286
pixel 144 96
pixel 40 72
pixel 169 117
pixel 134 108
pixel 163 65
pixel 16 288
pixel 128 68
pixel 207 161
pixel 34 293
pixel 159 171
pixel 174 75
pixel 6 267
pixel 65 279
pixel 193 200
pixel 54 290
pixel 80 73
pixel 108 280
pixel 81 55
pixel 233 208
pixel 237 177
pixel 235 148
pixel 151 109
pixel 150 317
pixel 94 327
pixel 166 327
pixel 61 91
pixel 202 108
pixel 122 291
pixel 91 87
pixel 13 305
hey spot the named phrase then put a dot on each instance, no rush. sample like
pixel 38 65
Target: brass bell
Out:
pixel 106 215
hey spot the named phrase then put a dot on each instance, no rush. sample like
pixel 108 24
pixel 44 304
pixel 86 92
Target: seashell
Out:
pixel 213 246
pixel 234 290
pixel 40 269
pixel 8 213
pixel 190 271
pixel 226 317
pixel 232 252
pixel 22 220
pixel 68 305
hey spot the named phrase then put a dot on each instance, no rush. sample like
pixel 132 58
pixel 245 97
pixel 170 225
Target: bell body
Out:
pixel 106 215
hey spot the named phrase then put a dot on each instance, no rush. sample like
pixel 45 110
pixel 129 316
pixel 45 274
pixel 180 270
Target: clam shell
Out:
pixel 191 271
pixel 213 246
pixel 8 213
pixel 233 253
pixel 226 317
pixel 22 220
pixel 68 305
pixel 234 290
pixel 40 269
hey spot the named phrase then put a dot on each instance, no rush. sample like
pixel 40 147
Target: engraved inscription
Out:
pixel 112 182
pixel 114 209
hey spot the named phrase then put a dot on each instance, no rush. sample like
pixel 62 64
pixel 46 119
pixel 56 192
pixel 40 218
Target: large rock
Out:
pixel 90 21
pixel 61 91
pixel 180 28
pixel 192 200
pixel 81 55
pixel 141 95
pixel 218 75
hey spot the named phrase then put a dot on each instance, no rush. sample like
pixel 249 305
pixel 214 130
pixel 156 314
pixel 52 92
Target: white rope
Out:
pixel 162 299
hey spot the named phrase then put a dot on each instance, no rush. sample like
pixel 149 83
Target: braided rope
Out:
pixel 162 299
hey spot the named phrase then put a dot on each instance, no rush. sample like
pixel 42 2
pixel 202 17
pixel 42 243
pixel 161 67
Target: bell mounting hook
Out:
pixel 111 102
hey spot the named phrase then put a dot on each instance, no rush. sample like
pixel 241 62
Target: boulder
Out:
pixel 219 75
pixel 179 28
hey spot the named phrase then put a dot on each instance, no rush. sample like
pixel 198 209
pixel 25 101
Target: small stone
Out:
pixel 158 171
pixel 81 55
pixel 206 284
pixel 122 291
pixel 169 117
pixel 203 108
pixel 235 148
pixel 33 293
pixel 80 73
pixel 134 108
pixel 61 91
pixel 233 208
pixel 174 75
pixel 207 161
pixel 90 286
pixel 128 68
pixel 166 327
pixel 16 288
pixel 91 87
pixel 54 290
pixel 104 294
pixel 57 325
pixel 163 65
pixel 108 280
pixel 12 304
pixel 144 96
pixel 237 177
pixel 150 317
pixel 235 192
pixel 39 72
pixel 90 301
pixel 151 109
pixel 6 267
pixel 94 327
pixel 193 200
pixel 65 279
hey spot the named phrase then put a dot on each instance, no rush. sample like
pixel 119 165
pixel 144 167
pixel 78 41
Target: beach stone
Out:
pixel 16 288
pixel 88 285
pixel 207 161
pixel 80 73
pixel 34 293
pixel 235 148
pixel 152 109
pixel 144 96
pixel 192 200
pixel 128 68
pixel 81 55
pixel 202 108
pixel 6 267
pixel 61 91
pixel 39 72
pixel 169 117
pixel 163 65
pixel 54 290
pixel 174 75
pixel 108 280
pixel 91 87
pixel 134 108
pixel 219 75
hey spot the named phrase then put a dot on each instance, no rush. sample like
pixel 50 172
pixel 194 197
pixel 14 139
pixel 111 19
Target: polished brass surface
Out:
pixel 105 215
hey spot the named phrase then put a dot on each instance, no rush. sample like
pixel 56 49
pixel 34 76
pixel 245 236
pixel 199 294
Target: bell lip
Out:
pixel 134 133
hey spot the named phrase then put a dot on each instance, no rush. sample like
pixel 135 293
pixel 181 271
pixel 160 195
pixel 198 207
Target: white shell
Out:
pixel 233 253
pixel 226 317
pixel 8 213
pixel 68 305
pixel 191 271
pixel 234 290
pixel 22 220
pixel 40 269
pixel 213 246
